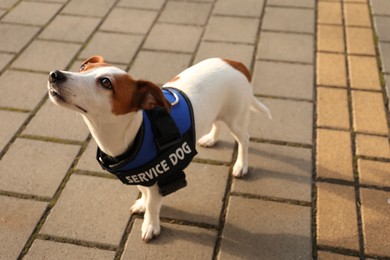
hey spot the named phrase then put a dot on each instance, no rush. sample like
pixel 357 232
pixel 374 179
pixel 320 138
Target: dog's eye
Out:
pixel 106 83
pixel 82 67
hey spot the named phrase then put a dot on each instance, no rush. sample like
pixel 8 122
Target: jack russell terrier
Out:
pixel 146 134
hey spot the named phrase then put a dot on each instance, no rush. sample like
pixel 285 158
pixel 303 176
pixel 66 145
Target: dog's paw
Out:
pixel 150 231
pixel 138 206
pixel 207 140
pixel 239 170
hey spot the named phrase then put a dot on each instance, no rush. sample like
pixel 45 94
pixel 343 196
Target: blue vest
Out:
pixel 164 146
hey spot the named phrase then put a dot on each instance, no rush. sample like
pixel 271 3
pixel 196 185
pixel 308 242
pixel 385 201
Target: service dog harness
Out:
pixel 163 147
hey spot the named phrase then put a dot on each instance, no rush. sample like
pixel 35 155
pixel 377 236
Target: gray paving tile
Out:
pixel 174 242
pixel 122 47
pixel 186 13
pixel 384 49
pixel 32 13
pixel 70 28
pixel 382 26
pixel 5 58
pixel 286 47
pixel 277 171
pixel 288 20
pixel 173 37
pixel 18 220
pixel 283 79
pixel 53 121
pixel 46 56
pixel 88 161
pixel 41 249
pixel 292 121
pixel 16 84
pixel 129 20
pixel 230 29
pixel 91 208
pixel 84 7
pixel 159 67
pixel 25 167
pixel 251 8
pixel 7 3
pixel 292 3
pixel 10 123
pixel 250 230
pixel 201 200
pixel 239 52
pixel 380 7
pixel 150 4
pixel 17 36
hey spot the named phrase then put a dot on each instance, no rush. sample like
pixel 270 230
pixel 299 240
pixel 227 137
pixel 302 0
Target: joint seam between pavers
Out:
pixel 373 158
pixel 24 196
pixel 286 61
pixel 336 181
pixel 228 42
pixel 282 143
pixel 236 16
pixel 199 26
pixel 291 7
pixel 119 32
pixel 334 128
pixel 167 51
pixel 8 52
pixel 183 222
pixel 51 139
pixel 339 250
pixel 287 32
pixel 272 199
pixel 77 242
pixel 284 98
pixel 13 109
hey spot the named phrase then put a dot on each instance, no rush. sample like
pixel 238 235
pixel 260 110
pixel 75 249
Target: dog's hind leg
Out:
pixel 211 138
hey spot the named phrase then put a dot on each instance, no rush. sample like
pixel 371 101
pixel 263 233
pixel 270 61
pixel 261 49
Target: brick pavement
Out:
pixel 318 185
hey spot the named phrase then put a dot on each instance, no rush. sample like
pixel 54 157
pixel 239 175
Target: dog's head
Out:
pixel 102 89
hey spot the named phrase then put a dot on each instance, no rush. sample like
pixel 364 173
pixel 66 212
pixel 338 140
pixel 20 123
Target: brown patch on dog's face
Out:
pixel 92 63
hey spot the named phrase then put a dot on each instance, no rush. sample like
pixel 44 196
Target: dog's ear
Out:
pixel 91 60
pixel 150 95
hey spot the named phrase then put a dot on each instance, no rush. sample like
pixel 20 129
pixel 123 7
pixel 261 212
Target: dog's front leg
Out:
pixel 151 224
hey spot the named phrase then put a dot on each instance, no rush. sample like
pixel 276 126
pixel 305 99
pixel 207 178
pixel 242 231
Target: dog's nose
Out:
pixel 57 76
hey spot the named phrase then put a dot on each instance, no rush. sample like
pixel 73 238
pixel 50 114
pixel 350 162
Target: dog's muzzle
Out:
pixel 57 77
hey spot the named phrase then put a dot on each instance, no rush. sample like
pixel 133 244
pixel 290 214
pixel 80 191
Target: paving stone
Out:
pixel 229 29
pixel 331 69
pixel 329 13
pixel 70 28
pixel 14 95
pixel 53 121
pixel 251 222
pixel 7 3
pixel 185 13
pixel 239 52
pixel 32 13
pixel 323 255
pixel 385 56
pixel 336 216
pixel 332 108
pixel 292 121
pixel 122 47
pixel 129 20
pixel 283 79
pixel 382 26
pixel 150 4
pixel 173 37
pixel 17 36
pixel 380 7
pixel 387 78
pixel 330 38
pixel 159 67
pixel 18 218
pixel 334 155
pixel 375 213
pixel 46 56
pixel 364 73
pixel 41 249
pixel 88 161
pixel 84 7
pixel 292 3
pixel 288 20
pixel 201 200
pixel 374 173
pixel 356 14
pixel 277 171
pixel 25 169
pixel 174 242
pixel 369 112
pixel 10 123
pixel 286 47
pixel 5 58
pixel 92 209
pixel 360 41
pixel 374 146
pixel 251 8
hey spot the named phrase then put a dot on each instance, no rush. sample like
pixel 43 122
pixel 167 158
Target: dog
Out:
pixel 113 106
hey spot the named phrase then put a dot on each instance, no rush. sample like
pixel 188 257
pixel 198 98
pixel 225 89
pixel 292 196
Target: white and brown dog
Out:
pixel 111 103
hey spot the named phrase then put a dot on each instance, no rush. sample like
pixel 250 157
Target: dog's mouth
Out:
pixel 57 97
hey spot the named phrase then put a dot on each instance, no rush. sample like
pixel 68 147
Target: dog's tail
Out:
pixel 257 106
